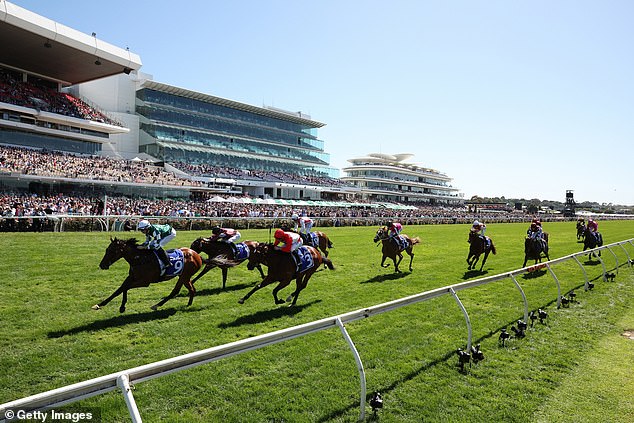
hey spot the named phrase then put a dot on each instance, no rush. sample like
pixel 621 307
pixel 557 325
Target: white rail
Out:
pixel 125 378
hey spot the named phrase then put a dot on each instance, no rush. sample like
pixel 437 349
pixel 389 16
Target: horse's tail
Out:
pixel 328 263
pixel 221 261
pixel 329 243
pixel 415 240
pixel 493 248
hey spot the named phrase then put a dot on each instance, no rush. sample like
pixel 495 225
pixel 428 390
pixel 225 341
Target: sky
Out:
pixel 521 99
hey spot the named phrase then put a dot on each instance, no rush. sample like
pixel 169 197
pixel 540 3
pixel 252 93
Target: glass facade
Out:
pixel 202 132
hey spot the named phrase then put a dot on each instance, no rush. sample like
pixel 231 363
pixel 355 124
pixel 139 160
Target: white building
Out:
pixel 389 177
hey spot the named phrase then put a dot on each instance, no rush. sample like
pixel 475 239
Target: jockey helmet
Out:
pixel 476 223
pixel 295 217
pixel 389 224
pixel 215 230
pixel 279 234
pixel 534 226
pixel 142 224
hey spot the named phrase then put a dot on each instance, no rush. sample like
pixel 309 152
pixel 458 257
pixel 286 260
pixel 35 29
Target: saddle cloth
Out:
pixel 400 242
pixel 242 251
pixel 303 259
pixel 177 261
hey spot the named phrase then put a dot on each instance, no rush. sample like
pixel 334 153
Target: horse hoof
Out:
pixel 96 307
pixel 154 307
pixel 241 301
pixel 279 301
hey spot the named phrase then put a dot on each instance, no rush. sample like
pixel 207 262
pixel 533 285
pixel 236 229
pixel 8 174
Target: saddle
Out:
pixel 400 242
pixel 240 251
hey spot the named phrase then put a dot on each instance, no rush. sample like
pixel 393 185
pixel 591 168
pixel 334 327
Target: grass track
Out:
pixel 52 338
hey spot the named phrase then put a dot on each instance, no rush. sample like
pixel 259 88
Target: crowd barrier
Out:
pixel 124 379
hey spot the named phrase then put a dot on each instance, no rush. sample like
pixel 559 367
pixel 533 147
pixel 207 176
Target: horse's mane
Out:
pixel 132 242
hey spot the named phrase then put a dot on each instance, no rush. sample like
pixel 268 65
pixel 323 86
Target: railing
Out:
pixel 123 379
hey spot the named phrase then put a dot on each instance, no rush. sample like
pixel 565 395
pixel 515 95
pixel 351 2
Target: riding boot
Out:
pixel 163 256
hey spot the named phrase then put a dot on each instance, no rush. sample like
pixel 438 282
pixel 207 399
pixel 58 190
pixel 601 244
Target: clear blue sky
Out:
pixel 509 98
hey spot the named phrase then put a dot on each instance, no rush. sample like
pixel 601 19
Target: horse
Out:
pixel 320 239
pixel 145 269
pixel 222 249
pixel 581 231
pixel 533 249
pixel 477 246
pixel 591 240
pixel 393 250
pixel 282 268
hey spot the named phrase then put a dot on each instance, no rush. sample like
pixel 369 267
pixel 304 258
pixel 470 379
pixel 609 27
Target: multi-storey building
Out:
pixel 387 177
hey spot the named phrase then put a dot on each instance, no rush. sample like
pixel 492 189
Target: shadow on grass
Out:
pixel 473 273
pixel 441 359
pixel 219 290
pixel 387 277
pixel 113 322
pixel 267 315
pixel 534 274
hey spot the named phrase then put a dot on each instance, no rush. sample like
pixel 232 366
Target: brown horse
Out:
pixel 145 270
pixel 392 250
pixel 282 268
pixel 477 246
pixel 221 249
pixel 323 242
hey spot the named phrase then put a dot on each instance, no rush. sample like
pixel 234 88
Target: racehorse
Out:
pixel 534 248
pixel 223 249
pixel 591 241
pixel 581 231
pixel 477 246
pixel 322 240
pixel 282 268
pixel 393 250
pixel 145 269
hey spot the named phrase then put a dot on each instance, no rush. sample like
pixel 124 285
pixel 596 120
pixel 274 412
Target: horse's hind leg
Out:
pixel 224 277
pixel 301 284
pixel 397 262
pixel 484 260
pixel 411 259
pixel 175 291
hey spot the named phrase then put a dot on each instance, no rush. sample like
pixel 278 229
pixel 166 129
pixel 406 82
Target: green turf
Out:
pixel 573 367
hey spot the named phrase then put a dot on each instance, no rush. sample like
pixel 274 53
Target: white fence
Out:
pixel 122 380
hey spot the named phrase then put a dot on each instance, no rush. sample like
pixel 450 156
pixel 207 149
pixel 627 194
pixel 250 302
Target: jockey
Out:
pixel 535 229
pixel 291 241
pixel 394 229
pixel 225 234
pixel 593 228
pixel 478 229
pixel 156 236
pixel 303 223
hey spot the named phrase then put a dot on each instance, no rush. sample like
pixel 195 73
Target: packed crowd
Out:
pixel 51 163
pixel 29 94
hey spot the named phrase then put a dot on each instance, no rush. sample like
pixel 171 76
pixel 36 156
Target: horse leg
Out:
pixel 383 261
pixel 283 284
pixel 301 284
pixel 207 268
pixel 411 258
pixel 175 291
pixel 123 289
pixel 397 262
pixel 259 267
pixel 484 260
pixel 267 280
pixel 224 277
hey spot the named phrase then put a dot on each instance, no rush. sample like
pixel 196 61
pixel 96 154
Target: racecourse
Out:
pixel 573 367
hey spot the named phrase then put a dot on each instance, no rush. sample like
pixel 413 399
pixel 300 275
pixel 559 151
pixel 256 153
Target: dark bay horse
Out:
pixel 145 270
pixel 322 240
pixel 392 250
pixel 479 245
pixel 534 248
pixel 581 231
pixel 222 249
pixel 282 268
pixel 591 240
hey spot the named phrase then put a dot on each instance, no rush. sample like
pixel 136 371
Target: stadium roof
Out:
pixel 265 111
pixel 40 46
